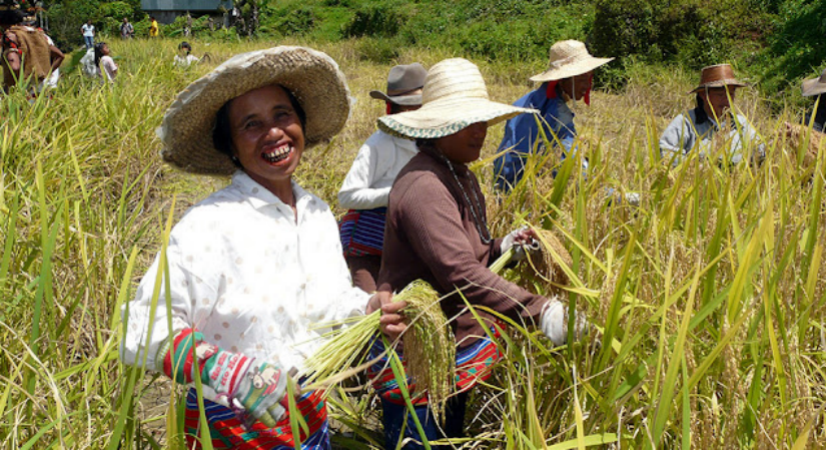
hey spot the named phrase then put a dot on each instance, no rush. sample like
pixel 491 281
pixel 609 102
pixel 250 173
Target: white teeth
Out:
pixel 278 154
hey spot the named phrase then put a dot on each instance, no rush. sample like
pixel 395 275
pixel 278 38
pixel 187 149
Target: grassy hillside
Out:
pixel 707 300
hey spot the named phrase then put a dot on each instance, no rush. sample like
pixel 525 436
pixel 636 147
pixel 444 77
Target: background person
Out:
pixel 127 31
pixel 107 69
pixel 88 31
pixel 27 57
pixel 154 29
pixel 255 266
pixel 437 232
pixel 569 77
pixel 815 87
pixel 184 58
pixel 712 116
pixel 366 188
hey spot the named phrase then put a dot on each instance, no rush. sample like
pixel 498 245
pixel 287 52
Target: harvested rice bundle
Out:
pixel 543 268
pixel 795 135
pixel 430 348
pixel 332 362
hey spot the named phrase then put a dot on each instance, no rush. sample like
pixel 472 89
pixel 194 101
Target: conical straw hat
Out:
pixel 569 59
pixel 311 76
pixel 814 86
pixel 454 97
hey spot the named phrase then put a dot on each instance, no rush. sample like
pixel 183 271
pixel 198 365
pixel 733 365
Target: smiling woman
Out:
pixel 256 265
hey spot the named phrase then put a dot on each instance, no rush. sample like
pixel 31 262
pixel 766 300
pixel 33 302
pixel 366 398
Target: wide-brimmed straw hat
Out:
pixel 311 76
pixel 569 59
pixel 454 97
pixel 404 85
pixel 721 75
pixel 815 86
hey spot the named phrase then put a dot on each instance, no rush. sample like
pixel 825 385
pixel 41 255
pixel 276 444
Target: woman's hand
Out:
pixel 392 320
pixel 516 239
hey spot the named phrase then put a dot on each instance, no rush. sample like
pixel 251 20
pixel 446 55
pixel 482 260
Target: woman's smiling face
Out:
pixel 267 137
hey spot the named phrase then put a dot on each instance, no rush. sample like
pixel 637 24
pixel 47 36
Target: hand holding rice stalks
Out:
pixel 542 269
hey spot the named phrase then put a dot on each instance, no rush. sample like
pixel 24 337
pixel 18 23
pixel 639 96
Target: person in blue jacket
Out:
pixel 569 77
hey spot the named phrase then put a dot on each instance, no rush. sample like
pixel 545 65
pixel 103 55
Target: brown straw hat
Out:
pixel 569 59
pixel 454 97
pixel 311 76
pixel 815 86
pixel 404 85
pixel 717 76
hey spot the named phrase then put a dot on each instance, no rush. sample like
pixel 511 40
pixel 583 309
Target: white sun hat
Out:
pixel 454 97
pixel 310 75
pixel 569 59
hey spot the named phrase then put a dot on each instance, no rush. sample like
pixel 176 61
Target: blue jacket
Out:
pixel 522 134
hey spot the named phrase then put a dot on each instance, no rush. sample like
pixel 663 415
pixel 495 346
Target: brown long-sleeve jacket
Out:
pixel 430 234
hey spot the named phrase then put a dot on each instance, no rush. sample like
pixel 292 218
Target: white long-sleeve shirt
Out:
pixel 376 166
pixel 249 276
pixel 684 134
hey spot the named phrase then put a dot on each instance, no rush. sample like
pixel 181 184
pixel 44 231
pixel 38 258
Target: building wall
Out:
pixel 167 10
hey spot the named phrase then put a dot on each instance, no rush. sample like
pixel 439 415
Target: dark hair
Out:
pixel 700 110
pixel 184 45
pixel 12 17
pixel 99 52
pixel 425 143
pixel 395 108
pixel 222 133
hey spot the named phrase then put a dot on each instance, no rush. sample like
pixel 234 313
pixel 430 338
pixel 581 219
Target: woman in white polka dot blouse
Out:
pixel 253 266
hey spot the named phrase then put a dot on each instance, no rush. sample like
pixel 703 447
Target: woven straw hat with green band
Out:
pixel 454 97
pixel 312 76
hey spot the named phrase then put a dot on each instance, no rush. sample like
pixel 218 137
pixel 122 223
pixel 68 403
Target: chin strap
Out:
pixel 389 108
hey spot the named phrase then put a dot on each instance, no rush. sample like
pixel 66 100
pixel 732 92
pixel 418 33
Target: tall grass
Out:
pixel 707 300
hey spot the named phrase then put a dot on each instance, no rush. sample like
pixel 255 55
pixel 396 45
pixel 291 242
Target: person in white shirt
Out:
pixel 106 65
pixel 713 127
pixel 184 58
pixel 88 31
pixel 367 186
pixel 254 268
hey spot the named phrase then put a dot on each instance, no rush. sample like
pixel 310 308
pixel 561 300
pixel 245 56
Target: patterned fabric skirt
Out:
pixel 229 432
pixel 473 364
pixel 362 232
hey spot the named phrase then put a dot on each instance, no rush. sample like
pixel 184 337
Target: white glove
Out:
pixel 509 242
pixel 554 322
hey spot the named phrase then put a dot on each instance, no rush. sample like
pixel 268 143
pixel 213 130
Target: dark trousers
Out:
pixel 365 271
pixel 394 416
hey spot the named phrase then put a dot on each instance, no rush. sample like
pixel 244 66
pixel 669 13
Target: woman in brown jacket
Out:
pixel 437 231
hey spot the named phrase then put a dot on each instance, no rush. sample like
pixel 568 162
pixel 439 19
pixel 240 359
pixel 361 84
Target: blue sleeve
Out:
pixel 507 167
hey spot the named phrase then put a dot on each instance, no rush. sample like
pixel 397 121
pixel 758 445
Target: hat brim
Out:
pixel 571 70
pixel 812 87
pixel 405 100
pixel 718 84
pixel 311 76
pixel 443 118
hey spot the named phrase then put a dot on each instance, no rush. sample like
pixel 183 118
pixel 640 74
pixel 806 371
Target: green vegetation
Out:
pixel 708 301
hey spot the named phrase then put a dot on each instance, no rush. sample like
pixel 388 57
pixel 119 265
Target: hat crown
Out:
pixel 455 78
pixel 568 52
pixel 822 78
pixel 405 78
pixel 719 72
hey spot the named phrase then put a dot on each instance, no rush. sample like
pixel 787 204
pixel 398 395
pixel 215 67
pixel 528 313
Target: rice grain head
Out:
pixel 430 347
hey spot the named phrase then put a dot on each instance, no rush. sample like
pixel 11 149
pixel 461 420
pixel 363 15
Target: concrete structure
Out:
pixel 167 10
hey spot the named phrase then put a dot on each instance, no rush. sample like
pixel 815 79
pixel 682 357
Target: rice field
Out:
pixel 707 301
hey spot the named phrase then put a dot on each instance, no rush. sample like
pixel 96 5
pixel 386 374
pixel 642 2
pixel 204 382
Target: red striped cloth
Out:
pixel 473 364
pixel 228 431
